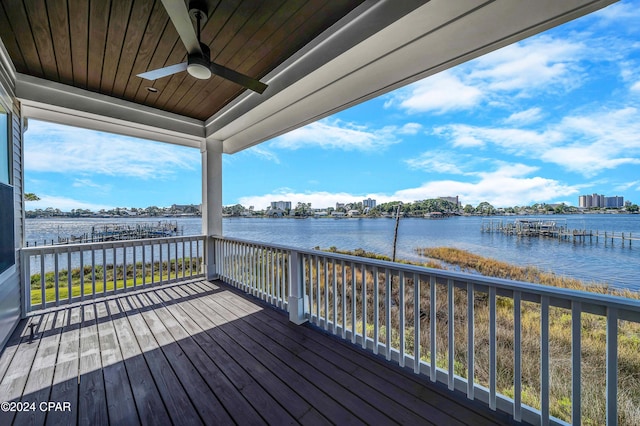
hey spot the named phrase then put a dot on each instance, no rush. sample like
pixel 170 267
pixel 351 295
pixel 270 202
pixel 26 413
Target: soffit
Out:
pixel 101 46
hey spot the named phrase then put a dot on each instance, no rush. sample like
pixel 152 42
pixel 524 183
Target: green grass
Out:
pixel 172 270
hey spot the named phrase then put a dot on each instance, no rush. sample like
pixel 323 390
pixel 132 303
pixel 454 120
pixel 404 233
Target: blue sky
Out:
pixel 541 121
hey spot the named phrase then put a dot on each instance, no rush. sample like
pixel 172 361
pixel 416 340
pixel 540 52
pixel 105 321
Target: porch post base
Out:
pixel 296 310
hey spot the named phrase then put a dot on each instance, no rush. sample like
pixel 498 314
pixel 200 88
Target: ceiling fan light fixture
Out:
pixel 198 70
pixel 199 65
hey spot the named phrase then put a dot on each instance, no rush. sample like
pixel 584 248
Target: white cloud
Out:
pixel 539 63
pixel 440 93
pixel 542 63
pixel 439 161
pixel 617 13
pixel 635 87
pixel 525 117
pixel 63 149
pixel 507 185
pixel 64 203
pixel 587 144
pixel 588 160
pixel 601 140
pixel 513 140
pixel 628 185
pixel 410 129
pixel 336 134
pixel 88 183
pixel 262 152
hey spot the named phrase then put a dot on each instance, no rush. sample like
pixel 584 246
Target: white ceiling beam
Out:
pixel 45 100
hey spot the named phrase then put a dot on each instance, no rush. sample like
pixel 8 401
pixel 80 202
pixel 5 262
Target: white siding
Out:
pixel 18 176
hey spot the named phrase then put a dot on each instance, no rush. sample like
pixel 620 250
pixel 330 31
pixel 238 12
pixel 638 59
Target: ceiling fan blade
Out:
pixel 236 77
pixel 179 15
pixel 163 72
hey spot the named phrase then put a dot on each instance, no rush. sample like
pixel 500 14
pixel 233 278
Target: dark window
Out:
pixel 7 241
pixel 4 148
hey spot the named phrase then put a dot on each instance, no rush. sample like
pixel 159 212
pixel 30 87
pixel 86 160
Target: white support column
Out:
pixel 211 200
pixel 297 314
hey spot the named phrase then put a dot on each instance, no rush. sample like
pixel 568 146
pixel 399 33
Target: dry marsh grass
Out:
pixel 593 330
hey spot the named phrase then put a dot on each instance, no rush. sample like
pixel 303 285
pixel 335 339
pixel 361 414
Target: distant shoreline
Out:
pixel 604 213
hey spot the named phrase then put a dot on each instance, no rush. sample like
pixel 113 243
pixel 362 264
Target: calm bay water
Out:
pixel 614 263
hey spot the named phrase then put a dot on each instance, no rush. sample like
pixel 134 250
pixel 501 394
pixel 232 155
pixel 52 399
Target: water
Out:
pixel 614 264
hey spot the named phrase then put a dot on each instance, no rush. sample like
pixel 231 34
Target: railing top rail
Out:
pixel 585 297
pixel 260 243
pixel 106 244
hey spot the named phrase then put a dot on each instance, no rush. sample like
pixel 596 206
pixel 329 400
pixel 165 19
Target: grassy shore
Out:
pixel 466 261
pixel 593 337
pixel 107 279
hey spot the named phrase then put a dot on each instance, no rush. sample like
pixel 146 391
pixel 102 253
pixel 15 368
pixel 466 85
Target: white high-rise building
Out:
pixel 282 205
pixel 599 200
pixel 369 202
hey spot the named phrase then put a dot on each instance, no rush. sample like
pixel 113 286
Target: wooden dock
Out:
pixel 556 229
pixel 118 232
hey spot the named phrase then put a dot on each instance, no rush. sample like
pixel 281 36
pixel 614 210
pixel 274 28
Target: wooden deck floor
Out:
pixel 201 353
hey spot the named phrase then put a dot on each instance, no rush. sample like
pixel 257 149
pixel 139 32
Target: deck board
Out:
pixel 276 380
pixel 267 403
pixel 171 391
pixel 164 327
pixel 91 382
pixel 38 386
pixel 65 378
pixel 338 400
pixel 149 404
pixel 120 403
pixel 232 361
pixel 206 361
pixel 199 352
pixel 15 379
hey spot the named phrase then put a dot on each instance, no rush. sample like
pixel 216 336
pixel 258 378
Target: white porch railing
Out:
pixel 62 274
pixel 426 319
pixel 258 269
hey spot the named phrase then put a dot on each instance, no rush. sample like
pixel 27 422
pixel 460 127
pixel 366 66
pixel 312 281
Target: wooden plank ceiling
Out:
pixel 101 45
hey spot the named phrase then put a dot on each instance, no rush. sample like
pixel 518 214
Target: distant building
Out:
pixel 187 208
pixel 369 202
pixel 614 202
pixel 281 205
pixel 453 200
pixel 599 200
pixel 339 206
pixel 584 201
